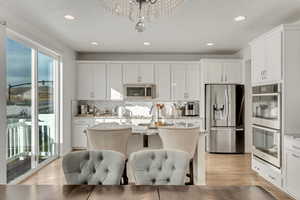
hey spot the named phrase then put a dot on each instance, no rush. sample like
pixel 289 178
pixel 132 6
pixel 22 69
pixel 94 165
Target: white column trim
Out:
pixel 3 94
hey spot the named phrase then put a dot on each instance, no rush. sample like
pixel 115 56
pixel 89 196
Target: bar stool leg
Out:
pixel 124 176
pixel 191 173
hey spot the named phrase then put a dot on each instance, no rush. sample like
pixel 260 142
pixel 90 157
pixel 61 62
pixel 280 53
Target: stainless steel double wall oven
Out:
pixel 266 123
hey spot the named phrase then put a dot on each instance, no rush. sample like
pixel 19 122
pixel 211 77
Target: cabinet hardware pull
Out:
pixel 295 147
pixel 296 156
pixel 271 177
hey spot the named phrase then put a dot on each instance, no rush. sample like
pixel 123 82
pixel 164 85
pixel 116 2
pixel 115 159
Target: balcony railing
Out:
pixel 19 139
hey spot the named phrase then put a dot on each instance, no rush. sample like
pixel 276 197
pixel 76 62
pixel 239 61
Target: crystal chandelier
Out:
pixel 140 11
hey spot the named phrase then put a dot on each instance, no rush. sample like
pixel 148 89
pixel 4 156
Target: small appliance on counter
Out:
pixel 86 109
pixel 191 109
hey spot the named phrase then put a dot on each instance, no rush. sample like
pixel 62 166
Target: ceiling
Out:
pixel 194 24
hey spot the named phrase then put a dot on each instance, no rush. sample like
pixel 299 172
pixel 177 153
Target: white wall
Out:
pixel 30 31
pixel 245 54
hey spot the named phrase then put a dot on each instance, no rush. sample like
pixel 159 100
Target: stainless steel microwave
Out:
pixel 140 91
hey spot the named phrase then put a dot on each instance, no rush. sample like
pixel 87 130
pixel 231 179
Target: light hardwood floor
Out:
pixel 222 170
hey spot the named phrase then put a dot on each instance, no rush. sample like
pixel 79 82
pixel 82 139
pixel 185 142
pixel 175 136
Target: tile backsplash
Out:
pixel 132 108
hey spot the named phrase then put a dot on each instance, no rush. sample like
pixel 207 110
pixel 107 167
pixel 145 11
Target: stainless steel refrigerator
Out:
pixel 224 114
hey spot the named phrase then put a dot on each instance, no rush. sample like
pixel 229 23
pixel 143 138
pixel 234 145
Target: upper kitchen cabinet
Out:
pixel 266 53
pixel 114 81
pixel 85 89
pixel 233 71
pixel 222 71
pixel 257 59
pixel 146 73
pixel 193 81
pixel 163 81
pixel 91 82
pixel 138 73
pixel 185 80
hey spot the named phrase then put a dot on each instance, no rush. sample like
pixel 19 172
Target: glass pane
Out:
pixel 266 107
pixel 135 92
pixel 19 107
pixel 46 116
pixel 267 142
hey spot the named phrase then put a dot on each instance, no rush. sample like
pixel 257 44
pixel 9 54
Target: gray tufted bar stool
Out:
pixel 159 167
pixel 93 167
pixel 110 136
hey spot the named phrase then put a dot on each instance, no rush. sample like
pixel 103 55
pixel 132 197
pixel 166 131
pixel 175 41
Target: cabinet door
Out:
pixel 131 73
pixel 99 81
pixel 273 57
pixel 146 73
pixel 233 72
pixel 163 81
pixel 114 82
pixel 213 72
pixel 193 81
pixel 292 173
pixel 85 82
pixel 79 139
pixel 258 60
pixel 178 81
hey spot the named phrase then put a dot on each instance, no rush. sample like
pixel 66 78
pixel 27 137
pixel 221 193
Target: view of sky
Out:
pixel 19 64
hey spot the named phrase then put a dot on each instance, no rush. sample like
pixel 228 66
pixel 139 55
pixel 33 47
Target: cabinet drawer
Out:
pixel 292 144
pixel 273 175
pixel 268 172
pixel 257 166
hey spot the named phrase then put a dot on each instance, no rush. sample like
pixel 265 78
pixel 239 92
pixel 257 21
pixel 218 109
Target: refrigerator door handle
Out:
pixel 227 104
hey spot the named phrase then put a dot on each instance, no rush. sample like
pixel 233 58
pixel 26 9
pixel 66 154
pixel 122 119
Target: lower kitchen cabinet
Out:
pixel 292 167
pixel 292 174
pixel 79 139
pixel 267 171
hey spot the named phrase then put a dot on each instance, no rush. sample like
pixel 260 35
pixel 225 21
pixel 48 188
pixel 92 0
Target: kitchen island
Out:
pixel 144 137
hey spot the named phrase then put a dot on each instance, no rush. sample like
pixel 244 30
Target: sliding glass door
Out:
pixel 32 136
pixel 19 109
pixel 46 107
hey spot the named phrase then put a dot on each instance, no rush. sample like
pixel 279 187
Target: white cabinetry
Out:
pixel 114 82
pixel 233 72
pixel 138 73
pixel 146 73
pixel 91 82
pixel 267 171
pixel 85 82
pixel 193 81
pixel 163 81
pixel 266 53
pixel 292 162
pixel 79 139
pixel 185 81
pixel 222 71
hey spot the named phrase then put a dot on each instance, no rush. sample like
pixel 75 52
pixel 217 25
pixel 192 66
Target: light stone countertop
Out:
pixel 144 130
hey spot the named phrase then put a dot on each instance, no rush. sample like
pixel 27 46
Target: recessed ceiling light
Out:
pixel 69 17
pixel 240 18
pixel 210 44
pixel 147 43
pixel 95 43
